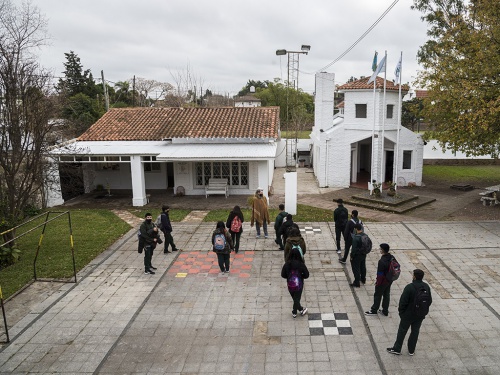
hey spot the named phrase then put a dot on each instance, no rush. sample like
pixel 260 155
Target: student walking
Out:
pixel 348 234
pixel 340 217
pixel 413 307
pixel 277 225
pixel 222 246
pixel 295 272
pixel 166 228
pixel 234 224
pixel 383 283
pixel 294 241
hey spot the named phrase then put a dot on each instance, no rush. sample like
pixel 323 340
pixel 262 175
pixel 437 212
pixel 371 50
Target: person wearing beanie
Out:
pixel 382 285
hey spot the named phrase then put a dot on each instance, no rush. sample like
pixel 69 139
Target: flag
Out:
pixel 379 69
pixel 374 63
pixel 397 71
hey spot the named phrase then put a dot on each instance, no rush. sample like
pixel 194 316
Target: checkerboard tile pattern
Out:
pixel 311 230
pixel 200 263
pixel 329 324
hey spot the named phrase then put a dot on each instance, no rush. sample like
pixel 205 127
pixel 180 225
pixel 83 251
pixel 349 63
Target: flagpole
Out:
pixel 395 181
pixel 372 167
pixel 383 127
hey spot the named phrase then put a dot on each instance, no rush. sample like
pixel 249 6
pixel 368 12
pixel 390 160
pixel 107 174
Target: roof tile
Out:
pixel 362 84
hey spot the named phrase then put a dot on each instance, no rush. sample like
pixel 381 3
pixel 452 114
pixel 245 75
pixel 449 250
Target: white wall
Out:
pixel 280 161
pixel 432 150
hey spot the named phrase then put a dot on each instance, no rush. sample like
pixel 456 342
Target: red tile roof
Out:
pixel 155 124
pixel 421 94
pixel 362 84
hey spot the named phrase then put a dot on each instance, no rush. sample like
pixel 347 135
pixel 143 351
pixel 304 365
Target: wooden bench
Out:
pixel 217 186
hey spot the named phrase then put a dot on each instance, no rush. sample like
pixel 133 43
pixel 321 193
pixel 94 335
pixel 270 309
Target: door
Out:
pixel 389 166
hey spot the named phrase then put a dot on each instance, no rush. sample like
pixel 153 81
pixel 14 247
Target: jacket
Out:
pixel 405 307
pixel 356 245
pixel 349 227
pixel 165 222
pixel 285 227
pixel 260 212
pixel 230 221
pixel 279 220
pixel 229 242
pixel 148 234
pixel 337 217
pixel 290 241
pixel 382 269
pixel 294 264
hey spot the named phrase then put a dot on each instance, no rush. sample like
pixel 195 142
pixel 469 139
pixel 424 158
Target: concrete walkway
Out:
pixel 190 319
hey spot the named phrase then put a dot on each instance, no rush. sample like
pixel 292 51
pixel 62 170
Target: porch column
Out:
pixel 138 182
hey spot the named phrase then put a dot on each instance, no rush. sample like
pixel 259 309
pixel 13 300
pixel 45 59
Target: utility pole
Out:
pixel 105 90
pixel 133 92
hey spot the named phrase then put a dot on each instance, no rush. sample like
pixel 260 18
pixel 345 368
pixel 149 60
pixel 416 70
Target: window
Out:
pixel 151 167
pixel 360 110
pixel 107 167
pixel 236 173
pixel 390 110
pixel 407 154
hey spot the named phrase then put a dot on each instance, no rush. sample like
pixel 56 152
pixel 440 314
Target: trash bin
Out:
pixel 302 163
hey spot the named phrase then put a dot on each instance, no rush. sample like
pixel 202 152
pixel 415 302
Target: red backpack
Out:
pixel 394 270
pixel 236 224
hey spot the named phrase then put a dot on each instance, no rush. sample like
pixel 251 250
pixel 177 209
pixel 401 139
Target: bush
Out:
pixel 8 256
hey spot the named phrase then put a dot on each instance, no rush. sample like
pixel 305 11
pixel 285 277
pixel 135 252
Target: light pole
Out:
pixel 293 64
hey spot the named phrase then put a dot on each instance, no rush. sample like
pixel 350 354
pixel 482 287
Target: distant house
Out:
pixel 358 144
pixel 143 149
pixel 247 101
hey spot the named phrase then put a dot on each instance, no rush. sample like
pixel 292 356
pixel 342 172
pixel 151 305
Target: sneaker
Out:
pixel 294 315
pixel 175 249
pixel 266 236
pixel 342 261
pixel 257 236
pixel 370 313
pixel 392 351
pixel 226 271
pixel 411 353
pixel 354 286
pixel 339 252
pixel 166 252
pixel 149 272
pixel 303 311
pixel 153 268
pixel 383 313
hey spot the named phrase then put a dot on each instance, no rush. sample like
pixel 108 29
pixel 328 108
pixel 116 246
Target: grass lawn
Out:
pixel 304 134
pixel 93 232
pixel 481 175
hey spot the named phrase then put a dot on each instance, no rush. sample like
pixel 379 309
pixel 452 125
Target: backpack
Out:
pixel 342 219
pixel 366 244
pixel 394 270
pixel 421 302
pixel 294 281
pixel 219 242
pixel 236 224
pixel 357 222
pixel 140 244
pixel 297 247
pixel 158 222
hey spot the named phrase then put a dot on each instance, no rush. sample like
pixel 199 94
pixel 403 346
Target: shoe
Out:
pixel 236 251
pixel 363 282
pixel 175 249
pixel 257 236
pixel 339 252
pixel 153 268
pixel 276 242
pixel 392 351
pixel 167 252
pixel 303 311
pixel 226 271
pixel 383 313
pixel 266 236
pixel 282 248
pixel 294 315
pixel 149 272
pixel 370 313
pixel 342 261
pixel 354 286
pixel 411 353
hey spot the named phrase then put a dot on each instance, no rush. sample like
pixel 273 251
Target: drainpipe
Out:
pixel 326 162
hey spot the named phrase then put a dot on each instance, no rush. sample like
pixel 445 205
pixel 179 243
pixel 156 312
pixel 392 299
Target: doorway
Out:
pixel 389 166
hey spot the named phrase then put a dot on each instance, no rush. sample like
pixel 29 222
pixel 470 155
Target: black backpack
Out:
pixel 366 244
pixel 422 301
pixel 343 217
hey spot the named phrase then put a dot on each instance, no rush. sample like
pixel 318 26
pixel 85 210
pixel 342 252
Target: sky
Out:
pixel 225 43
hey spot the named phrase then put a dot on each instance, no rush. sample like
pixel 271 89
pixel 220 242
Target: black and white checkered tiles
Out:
pixel 329 324
pixel 310 230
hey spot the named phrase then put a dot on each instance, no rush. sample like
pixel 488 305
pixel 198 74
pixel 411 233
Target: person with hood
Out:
pixel 295 272
pixel 294 239
pixel 348 234
pixel 166 228
pixel 149 238
pixel 285 227
pixel 234 224
pixel 260 213
pixel 277 225
pixel 222 246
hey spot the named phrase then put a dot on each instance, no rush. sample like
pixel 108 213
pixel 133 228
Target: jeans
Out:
pixel 278 240
pixel 296 301
pixel 382 293
pixel 257 228
pixel 235 236
pixel 169 240
pixel 223 261
pixel 358 264
pixel 339 232
pixel 148 254
pixel 404 325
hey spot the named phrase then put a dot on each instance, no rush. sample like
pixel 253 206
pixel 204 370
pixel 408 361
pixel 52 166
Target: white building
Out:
pixel 141 149
pixel 360 144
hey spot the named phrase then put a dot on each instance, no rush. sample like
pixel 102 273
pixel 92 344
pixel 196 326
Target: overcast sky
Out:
pixel 227 42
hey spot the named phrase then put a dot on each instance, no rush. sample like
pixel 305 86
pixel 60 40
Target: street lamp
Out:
pixel 293 63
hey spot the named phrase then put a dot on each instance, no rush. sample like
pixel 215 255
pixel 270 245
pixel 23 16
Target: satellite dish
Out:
pixel 252 89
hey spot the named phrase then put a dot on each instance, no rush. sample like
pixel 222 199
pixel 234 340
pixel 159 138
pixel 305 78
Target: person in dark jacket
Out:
pixel 358 260
pixel 222 254
pixel 294 238
pixel 295 265
pixel 408 316
pixel 235 227
pixel 277 225
pixel 166 228
pixel 285 227
pixel 382 285
pixel 348 233
pixel 149 237
pixel 340 217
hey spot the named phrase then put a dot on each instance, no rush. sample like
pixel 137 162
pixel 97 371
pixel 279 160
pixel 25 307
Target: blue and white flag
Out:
pixel 379 69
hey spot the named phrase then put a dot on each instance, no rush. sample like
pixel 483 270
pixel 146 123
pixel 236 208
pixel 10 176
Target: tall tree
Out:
pixel 24 111
pixel 461 63
pixel 256 84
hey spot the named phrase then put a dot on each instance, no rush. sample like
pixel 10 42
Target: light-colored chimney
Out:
pixel 323 101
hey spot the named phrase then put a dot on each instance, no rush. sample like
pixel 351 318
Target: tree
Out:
pixel 25 109
pixel 412 113
pixel 462 70
pixel 256 84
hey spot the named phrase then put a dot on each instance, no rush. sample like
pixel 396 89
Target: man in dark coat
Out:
pixel 409 316
pixel 149 237
pixel 166 228
pixel 348 232
pixel 382 285
pixel 277 225
pixel 340 217
pixel 358 259
pixel 285 227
